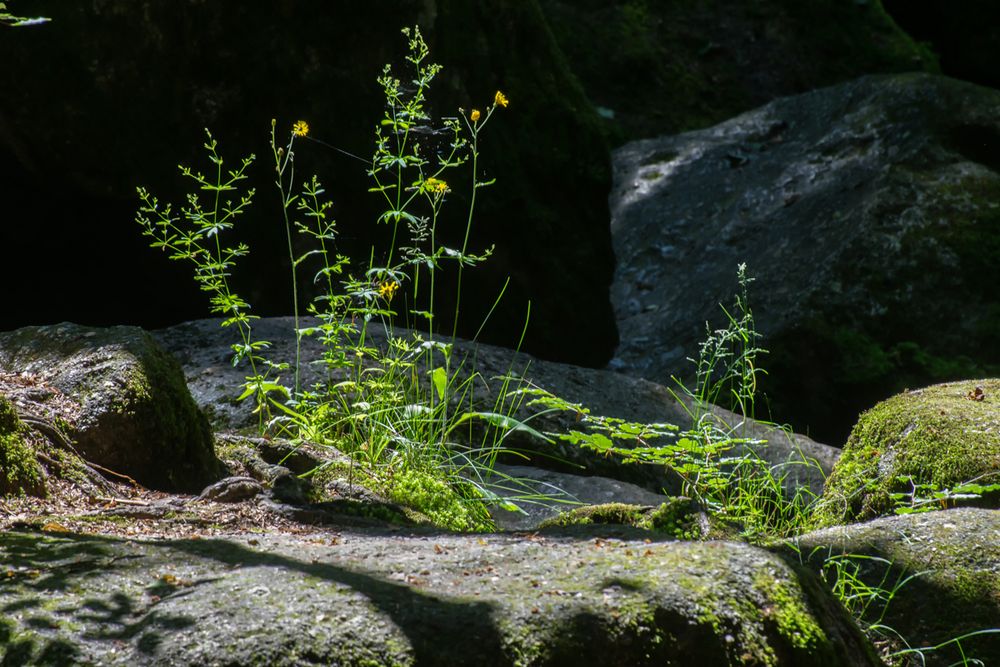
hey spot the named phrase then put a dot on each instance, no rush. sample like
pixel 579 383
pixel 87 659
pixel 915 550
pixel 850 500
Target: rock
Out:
pixel 919 442
pixel 678 518
pixel 119 396
pixel 949 562
pixel 670 66
pixel 232 490
pixel 867 213
pixel 87 122
pixel 202 348
pixel 367 597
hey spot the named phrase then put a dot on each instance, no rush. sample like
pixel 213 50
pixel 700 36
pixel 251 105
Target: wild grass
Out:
pixel 402 403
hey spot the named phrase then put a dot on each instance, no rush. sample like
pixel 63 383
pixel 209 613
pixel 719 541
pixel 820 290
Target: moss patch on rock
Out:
pixel 128 407
pixel 19 469
pixel 331 482
pixel 678 518
pixel 943 435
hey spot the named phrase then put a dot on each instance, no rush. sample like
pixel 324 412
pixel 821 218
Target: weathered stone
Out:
pixel 83 122
pixel 919 442
pixel 669 66
pixel 867 213
pixel 949 561
pixel 418 599
pixel 121 398
pixel 232 490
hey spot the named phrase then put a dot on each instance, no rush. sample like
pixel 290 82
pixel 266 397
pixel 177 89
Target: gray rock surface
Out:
pixel 867 213
pixel 121 397
pixel 951 559
pixel 358 598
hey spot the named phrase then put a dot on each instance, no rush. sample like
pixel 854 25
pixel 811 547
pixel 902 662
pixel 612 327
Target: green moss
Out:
pixel 20 473
pixel 789 612
pixel 431 494
pixel 676 518
pixel 935 436
pixel 159 396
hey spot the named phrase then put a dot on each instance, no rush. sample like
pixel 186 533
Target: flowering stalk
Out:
pixel 284 160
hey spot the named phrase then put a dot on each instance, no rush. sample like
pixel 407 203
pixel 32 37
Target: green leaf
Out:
pixel 440 379
pixel 501 421
pixel 249 391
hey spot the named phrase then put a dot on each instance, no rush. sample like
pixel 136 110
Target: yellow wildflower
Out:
pixel 435 186
pixel 501 99
pixel 474 115
pixel 300 128
pixel 387 289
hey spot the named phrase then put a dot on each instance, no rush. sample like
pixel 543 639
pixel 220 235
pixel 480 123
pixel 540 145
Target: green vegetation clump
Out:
pixel 676 517
pixel 401 404
pixel 446 503
pixel 930 441
pixel 20 473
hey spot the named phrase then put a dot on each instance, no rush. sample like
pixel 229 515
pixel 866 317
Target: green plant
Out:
pixel 867 586
pixel 927 497
pixel 716 461
pixel 401 404
pixel 6 18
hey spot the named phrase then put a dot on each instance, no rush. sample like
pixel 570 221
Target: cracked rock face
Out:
pixel 867 212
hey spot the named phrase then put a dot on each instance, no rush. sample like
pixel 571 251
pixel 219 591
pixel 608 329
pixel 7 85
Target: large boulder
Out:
pixel 83 121
pixel 867 213
pixel 118 398
pixel 937 573
pixel 668 66
pixel 362 598
pixel 918 443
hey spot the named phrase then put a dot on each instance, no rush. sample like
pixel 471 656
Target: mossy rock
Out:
pixel 678 518
pixel 942 567
pixel 121 399
pixel 411 598
pixel 324 479
pixel 19 469
pixel 941 436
